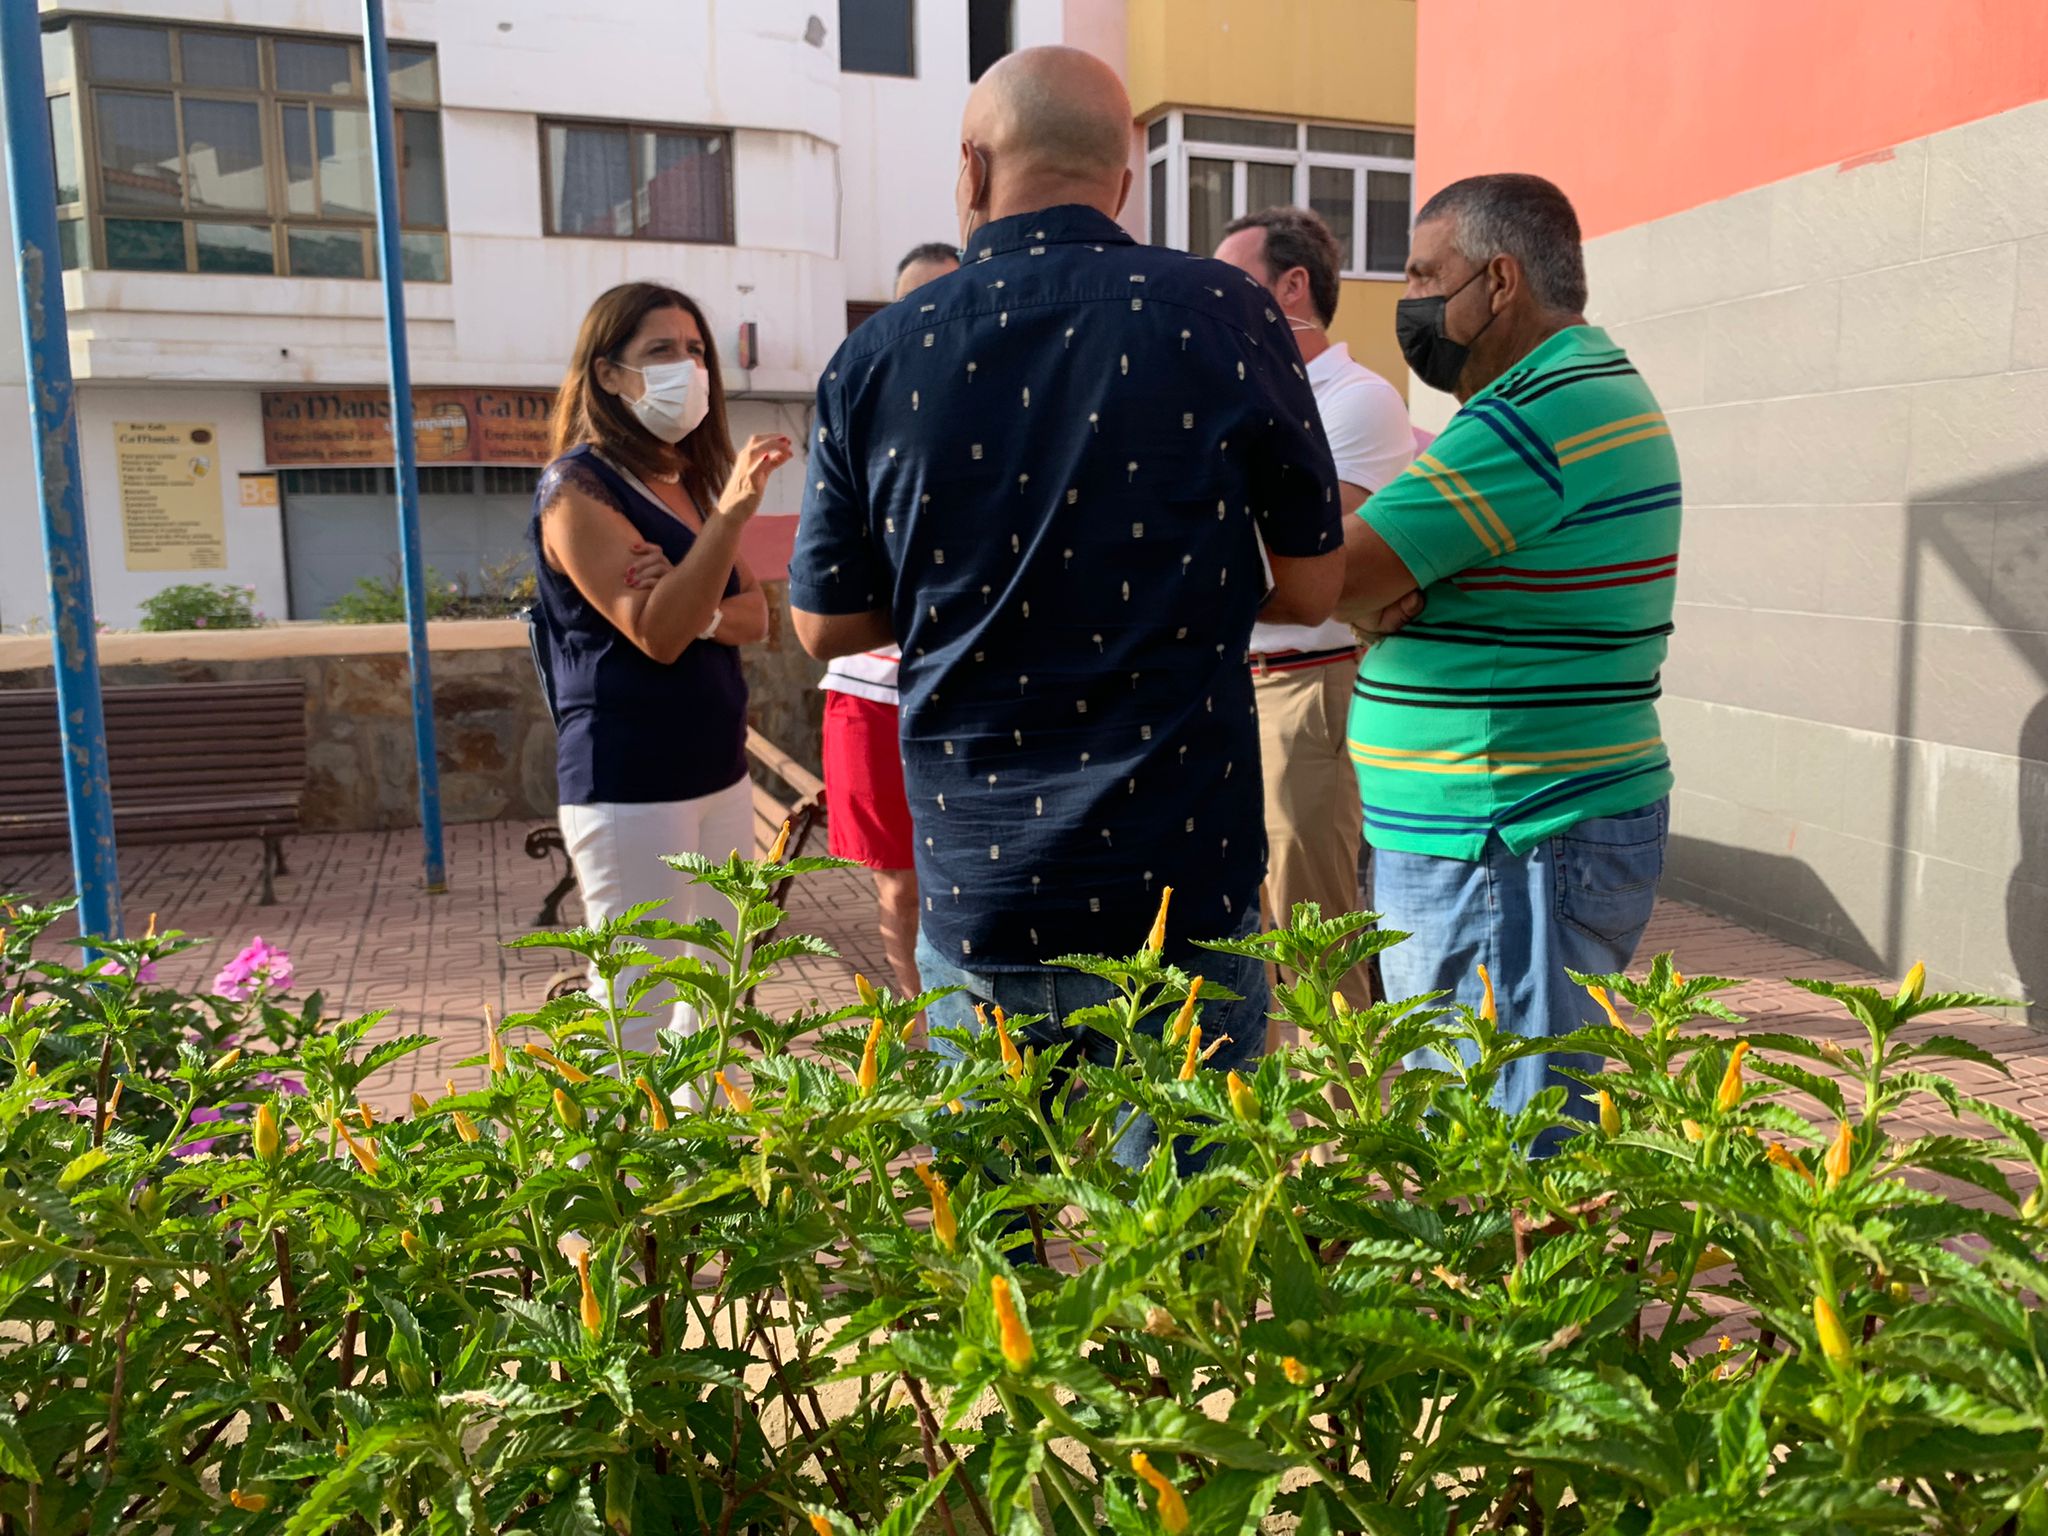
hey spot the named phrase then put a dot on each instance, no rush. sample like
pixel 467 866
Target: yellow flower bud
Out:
pixel 737 1096
pixel 1193 1059
pixel 1834 1338
pixel 410 1242
pixel 1610 1116
pixel 1296 1373
pixel 593 1314
pixel 267 1140
pixel 944 1227
pixel 568 1111
pixel 657 1112
pixel 420 1106
pixel 466 1127
pixel 1834 1053
pixel 494 1046
pixel 1713 1257
pixel 870 1066
pixel 781 845
pixel 364 1151
pixel 1841 1152
pixel 254 1503
pixel 1186 1016
pixel 1731 1079
pixel 1900 1291
pixel 1915 985
pixel 547 1057
pixel 152 927
pixel 367 1115
pixel 1014 1337
pixel 1012 1059
pixel 1243 1102
pixel 1599 995
pixel 1173 1509
pixel 1693 1130
pixel 1677 977
pixel 1156 941
pixel 869 998
pixel 1782 1156
pixel 1487 1008
pixel 820 1526
pixel 227 1062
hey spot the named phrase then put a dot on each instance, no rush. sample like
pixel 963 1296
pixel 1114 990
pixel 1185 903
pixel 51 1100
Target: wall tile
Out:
pixel 1670 352
pixel 2019 566
pixel 1711 253
pixel 2030 312
pixel 1783 343
pixel 1986 181
pixel 1839 220
pixel 1930 320
pixel 1980 439
pixel 1975 687
pixel 1925 564
pixel 1620 280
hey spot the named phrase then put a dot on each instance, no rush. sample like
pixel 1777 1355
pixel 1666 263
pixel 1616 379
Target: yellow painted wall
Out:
pixel 1349 60
pixel 1365 319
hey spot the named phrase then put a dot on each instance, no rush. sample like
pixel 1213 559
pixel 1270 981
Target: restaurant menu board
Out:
pixel 169 474
pixel 450 426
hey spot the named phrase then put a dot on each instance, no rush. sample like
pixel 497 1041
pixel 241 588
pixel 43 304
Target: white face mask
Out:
pixel 676 398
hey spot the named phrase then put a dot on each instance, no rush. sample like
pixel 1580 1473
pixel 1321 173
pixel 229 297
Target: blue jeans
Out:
pixel 1058 994
pixel 1579 900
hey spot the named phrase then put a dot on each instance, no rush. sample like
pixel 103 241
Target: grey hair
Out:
pixel 1526 217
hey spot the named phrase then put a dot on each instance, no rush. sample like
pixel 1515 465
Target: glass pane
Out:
pixel 421 200
pixel 314 69
pixel 219 58
pixel 1386 221
pixel 235 248
pixel 298 159
pixel 146 245
pixel 325 252
pixel 1362 141
pixel 1237 130
pixel 71 244
pixel 874 37
pixel 138 145
pixel 129 53
pixel 224 154
pixel 414 76
pixel 681 189
pixel 423 257
pixel 1267 186
pixel 348 169
pixel 590 181
pixel 64 146
pixel 1208 204
pixel 988 34
pixel 57 59
pixel 1157 211
pixel 1155 133
pixel 1331 194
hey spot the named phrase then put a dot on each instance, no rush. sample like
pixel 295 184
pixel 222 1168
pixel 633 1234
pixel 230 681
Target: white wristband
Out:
pixel 717 614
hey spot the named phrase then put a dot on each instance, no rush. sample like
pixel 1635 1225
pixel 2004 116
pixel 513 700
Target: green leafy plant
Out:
pixel 200 605
pixel 500 589
pixel 724 1286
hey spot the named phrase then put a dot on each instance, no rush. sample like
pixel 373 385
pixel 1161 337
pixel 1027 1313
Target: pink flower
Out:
pixel 145 975
pixel 261 968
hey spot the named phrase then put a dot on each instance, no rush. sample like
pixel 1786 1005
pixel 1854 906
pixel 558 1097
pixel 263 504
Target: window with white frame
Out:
pixel 1205 169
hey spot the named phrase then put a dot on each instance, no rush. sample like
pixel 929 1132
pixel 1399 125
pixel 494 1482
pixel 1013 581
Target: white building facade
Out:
pixel 216 195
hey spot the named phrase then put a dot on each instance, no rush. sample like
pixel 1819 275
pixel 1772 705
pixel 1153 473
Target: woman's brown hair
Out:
pixel 585 412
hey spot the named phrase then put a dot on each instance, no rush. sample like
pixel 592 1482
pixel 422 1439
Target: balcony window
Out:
pixel 190 149
pixel 621 181
pixel 876 37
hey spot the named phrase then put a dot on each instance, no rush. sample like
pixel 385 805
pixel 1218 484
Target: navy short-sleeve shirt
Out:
pixel 1053 470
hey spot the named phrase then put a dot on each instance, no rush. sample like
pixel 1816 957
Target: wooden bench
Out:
pixel 190 762
pixel 802 806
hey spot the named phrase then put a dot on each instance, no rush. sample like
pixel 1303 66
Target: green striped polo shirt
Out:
pixel 1542 527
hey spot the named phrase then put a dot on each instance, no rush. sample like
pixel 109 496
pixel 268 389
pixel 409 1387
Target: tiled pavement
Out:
pixel 360 928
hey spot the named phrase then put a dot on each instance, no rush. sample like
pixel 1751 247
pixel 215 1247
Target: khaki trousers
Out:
pixel 1313 817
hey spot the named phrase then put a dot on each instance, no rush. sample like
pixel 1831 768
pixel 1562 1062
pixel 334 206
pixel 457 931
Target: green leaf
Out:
pixel 1014 1460
pixel 82 1165
pixel 572 1512
pixel 1158 1427
pixel 15 1459
pixel 1739 1433
pixel 906 1518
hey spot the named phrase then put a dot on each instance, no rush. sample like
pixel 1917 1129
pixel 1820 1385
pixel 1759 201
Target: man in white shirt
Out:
pixel 1304 675
pixel 867 814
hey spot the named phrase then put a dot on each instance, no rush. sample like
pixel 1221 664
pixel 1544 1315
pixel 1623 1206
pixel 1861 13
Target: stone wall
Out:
pixel 496 744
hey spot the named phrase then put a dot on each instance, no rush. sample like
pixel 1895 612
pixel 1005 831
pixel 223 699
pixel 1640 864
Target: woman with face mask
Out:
pixel 643 599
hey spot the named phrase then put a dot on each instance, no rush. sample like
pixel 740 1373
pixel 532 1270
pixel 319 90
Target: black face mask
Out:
pixel 1419 327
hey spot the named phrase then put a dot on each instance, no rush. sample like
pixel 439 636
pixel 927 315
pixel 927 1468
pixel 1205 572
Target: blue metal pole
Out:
pixel 383 130
pixel 46 347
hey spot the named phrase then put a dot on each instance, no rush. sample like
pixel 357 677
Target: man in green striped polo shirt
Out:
pixel 1505 733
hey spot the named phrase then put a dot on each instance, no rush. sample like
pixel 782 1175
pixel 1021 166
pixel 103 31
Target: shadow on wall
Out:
pixel 1991 537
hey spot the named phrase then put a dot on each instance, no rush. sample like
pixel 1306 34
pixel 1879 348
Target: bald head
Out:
pixel 1045 126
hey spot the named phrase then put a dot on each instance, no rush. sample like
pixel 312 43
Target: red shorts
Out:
pixel 867 815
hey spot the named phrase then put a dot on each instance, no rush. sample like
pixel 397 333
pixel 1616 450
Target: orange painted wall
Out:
pixel 1642 108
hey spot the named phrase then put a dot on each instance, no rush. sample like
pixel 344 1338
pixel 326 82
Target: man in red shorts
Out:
pixel 868 816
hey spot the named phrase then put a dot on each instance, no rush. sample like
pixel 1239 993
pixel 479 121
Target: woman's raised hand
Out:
pixel 764 453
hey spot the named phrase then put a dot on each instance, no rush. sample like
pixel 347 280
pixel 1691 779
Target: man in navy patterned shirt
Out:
pixel 1048 476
